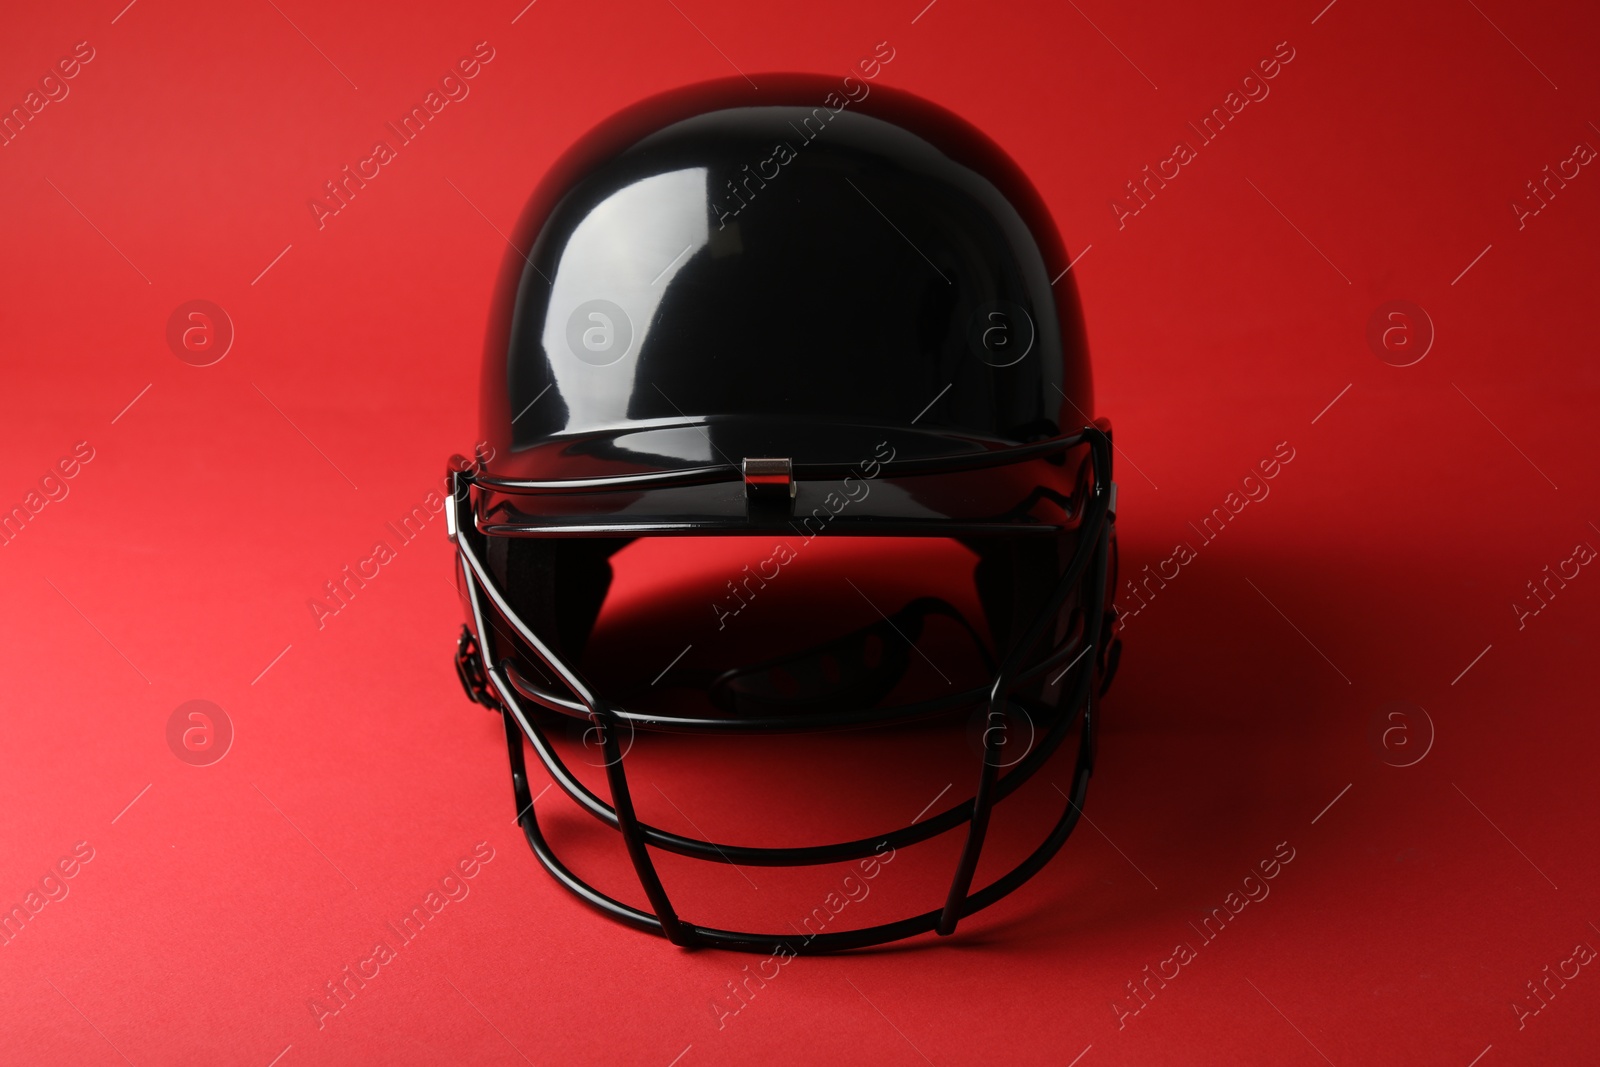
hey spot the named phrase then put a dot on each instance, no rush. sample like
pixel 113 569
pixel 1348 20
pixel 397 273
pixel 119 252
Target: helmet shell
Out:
pixel 720 273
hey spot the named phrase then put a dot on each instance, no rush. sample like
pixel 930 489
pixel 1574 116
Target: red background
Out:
pixel 1414 512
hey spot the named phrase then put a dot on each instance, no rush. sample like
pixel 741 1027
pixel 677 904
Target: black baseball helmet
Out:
pixel 801 311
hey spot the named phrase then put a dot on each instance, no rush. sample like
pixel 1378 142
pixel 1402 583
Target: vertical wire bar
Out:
pixel 521 790
pixel 978 829
pixel 628 822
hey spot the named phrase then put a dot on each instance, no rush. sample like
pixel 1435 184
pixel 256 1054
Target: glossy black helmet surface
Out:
pixel 737 311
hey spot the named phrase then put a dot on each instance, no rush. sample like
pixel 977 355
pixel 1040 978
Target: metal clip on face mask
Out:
pixel 630 393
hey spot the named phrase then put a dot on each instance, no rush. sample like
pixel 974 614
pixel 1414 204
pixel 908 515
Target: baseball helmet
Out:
pixel 801 312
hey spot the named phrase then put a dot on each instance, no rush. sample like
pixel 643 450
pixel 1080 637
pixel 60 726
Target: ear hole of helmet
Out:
pixel 1015 577
pixel 556 585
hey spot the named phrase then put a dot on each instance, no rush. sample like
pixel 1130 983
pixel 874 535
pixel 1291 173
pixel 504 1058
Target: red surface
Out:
pixel 1225 316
